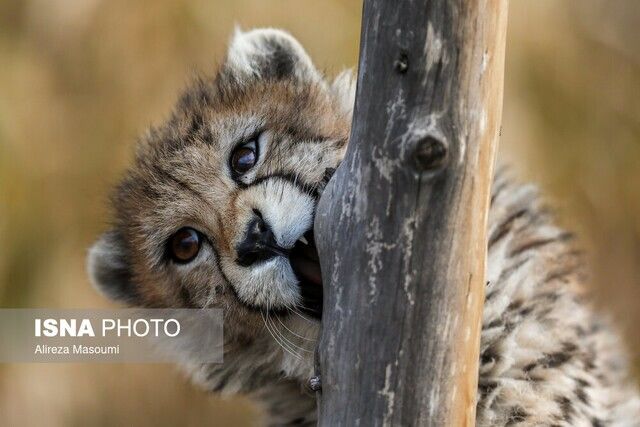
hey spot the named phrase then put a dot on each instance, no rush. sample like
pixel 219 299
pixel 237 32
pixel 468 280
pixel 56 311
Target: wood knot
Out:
pixel 430 153
pixel 401 64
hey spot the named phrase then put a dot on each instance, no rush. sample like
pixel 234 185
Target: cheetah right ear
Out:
pixel 268 54
pixel 109 269
pixel 343 88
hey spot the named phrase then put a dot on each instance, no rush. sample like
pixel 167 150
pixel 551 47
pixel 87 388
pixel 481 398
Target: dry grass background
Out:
pixel 79 79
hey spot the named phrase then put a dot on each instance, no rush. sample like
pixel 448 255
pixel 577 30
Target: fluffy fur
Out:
pixel 546 358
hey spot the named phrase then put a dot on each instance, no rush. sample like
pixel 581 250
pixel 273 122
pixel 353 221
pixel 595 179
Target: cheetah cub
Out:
pixel 217 211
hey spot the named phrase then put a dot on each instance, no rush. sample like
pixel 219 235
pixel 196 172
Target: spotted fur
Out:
pixel 546 357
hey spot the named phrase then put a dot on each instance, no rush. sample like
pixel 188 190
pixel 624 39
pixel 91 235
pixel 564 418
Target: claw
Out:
pixel 315 383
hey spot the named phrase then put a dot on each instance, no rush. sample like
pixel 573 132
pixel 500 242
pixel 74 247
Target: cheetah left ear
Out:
pixel 109 269
pixel 269 54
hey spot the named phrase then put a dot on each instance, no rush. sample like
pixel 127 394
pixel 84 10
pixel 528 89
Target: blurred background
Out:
pixel 79 79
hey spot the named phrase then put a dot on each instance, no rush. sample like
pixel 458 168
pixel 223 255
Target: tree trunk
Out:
pixel 401 227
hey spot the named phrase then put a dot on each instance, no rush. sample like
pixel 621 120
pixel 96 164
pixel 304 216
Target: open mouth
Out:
pixel 306 265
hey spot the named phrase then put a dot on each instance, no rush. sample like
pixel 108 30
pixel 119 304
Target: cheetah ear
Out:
pixel 269 54
pixel 343 89
pixel 109 269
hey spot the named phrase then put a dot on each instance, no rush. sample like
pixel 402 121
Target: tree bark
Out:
pixel 401 227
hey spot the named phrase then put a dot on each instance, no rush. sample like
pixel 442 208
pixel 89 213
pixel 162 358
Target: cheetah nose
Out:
pixel 259 243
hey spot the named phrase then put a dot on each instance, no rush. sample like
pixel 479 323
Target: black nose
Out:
pixel 259 243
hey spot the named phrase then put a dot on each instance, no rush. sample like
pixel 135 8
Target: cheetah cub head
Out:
pixel 218 207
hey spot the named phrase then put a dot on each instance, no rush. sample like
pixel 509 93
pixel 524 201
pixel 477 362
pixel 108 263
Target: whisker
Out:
pixel 266 323
pixel 282 341
pixel 297 312
pixel 291 345
pixel 293 333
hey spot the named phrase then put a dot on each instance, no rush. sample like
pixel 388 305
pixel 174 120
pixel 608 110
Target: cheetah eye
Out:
pixel 184 245
pixel 244 157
